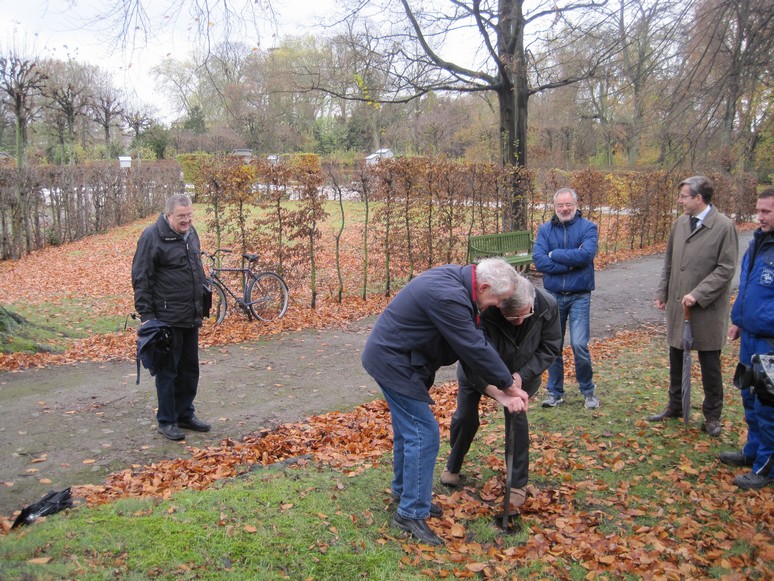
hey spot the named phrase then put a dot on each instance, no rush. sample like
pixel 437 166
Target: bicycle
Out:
pixel 264 294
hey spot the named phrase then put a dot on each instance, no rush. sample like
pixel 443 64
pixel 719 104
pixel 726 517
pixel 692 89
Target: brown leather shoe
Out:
pixel 665 415
pixel 713 428
pixel 518 496
pixel 450 479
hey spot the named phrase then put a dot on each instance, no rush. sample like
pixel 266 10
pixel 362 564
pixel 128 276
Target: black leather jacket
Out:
pixel 168 277
pixel 528 349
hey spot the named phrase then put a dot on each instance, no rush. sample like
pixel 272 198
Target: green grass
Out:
pixel 50 326
pixel 74 316
pixel 20 334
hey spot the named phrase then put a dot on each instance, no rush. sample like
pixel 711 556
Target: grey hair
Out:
pixel 522 296
pixel 699 185
pixel 501 277
pixel 564 191
pixel 176 200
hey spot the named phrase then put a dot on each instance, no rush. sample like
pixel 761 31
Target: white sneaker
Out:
pixel 592 402
pixel 552 401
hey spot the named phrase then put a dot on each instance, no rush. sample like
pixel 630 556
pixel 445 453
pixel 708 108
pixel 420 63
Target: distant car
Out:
pixel 242 152
pixel 379 154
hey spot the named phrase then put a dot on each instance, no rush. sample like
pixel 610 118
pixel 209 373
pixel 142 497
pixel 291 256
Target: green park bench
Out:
pixel 514 247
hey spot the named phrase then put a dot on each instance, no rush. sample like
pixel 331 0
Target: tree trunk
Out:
pixel 513 98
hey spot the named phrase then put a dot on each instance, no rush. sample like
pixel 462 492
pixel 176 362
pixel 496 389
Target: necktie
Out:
pixel 694 223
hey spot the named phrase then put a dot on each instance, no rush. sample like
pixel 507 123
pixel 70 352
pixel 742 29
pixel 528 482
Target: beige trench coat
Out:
pixel 702 264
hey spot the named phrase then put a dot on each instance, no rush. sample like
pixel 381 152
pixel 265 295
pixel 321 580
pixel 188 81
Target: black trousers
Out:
pixel 178 381
pixel 465 423
pixel 711 381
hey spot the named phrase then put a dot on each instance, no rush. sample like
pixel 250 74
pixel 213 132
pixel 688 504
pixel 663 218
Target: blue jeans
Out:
pixel 416 440
pixel 576 308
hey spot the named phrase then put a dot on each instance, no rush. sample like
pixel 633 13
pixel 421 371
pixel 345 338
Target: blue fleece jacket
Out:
pixel 564 253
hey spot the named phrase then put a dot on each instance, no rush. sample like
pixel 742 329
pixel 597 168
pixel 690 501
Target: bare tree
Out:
pixel 21 80
pixel 130 24
pixel 736 53
pixel 411 56
pixel 68 92
pixel 107 109
pixel 647 31
pixel 138 117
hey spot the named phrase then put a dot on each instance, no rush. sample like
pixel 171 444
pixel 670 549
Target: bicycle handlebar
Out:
pixel 214 254
pixel 223 250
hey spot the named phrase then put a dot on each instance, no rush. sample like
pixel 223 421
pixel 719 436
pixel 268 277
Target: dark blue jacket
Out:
pixel 430 323
pixel 753 310
pixel 573 246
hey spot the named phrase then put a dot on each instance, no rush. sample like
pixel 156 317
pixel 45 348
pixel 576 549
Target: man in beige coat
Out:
pixel 699 266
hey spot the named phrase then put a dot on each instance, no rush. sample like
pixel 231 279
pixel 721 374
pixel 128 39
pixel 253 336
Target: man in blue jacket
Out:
pixel 564 252
pixel 432 322
pixel 752 319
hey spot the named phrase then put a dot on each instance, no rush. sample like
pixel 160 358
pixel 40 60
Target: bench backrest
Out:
pixel 500 244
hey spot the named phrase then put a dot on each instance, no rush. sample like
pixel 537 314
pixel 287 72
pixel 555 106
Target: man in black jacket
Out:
pixel 169 281
pixel 526 332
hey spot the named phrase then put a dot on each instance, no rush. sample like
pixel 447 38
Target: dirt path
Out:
pixel 71 425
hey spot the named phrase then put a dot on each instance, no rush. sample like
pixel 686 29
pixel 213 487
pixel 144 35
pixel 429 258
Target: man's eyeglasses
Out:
pixel 522 317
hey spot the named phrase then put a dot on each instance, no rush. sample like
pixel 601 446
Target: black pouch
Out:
pixel 206 301
pixel 743 376
pixel 763 382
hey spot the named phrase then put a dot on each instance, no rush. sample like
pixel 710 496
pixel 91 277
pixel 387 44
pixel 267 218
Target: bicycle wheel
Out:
pixel 267 296
pixel 218 309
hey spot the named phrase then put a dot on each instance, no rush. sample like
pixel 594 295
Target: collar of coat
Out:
pixel 707 222
pixel 167 233
pixel 557 222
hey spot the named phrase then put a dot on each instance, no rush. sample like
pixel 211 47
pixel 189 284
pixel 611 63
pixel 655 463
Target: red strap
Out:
pixel 475 296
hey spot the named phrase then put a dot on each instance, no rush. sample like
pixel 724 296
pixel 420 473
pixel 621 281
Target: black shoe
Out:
pixel 435 510
pixel 171 432
pixel 193 423
pixel 735 458
pixel 418 528
pixel 752 481
pixel 666 414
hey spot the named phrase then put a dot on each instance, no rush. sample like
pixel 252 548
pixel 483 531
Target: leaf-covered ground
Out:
pixel 617 495
pixel 70 285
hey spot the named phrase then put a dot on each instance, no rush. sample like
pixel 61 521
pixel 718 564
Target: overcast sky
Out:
pixel 48 28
